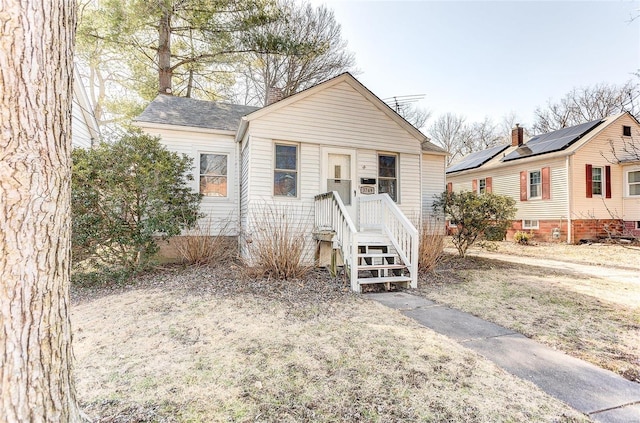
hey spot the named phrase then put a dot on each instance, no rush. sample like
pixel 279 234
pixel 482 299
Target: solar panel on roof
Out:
pixel 474 160
pixel 552 141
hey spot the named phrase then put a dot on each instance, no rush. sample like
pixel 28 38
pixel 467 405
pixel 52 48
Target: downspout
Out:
pixel 569 197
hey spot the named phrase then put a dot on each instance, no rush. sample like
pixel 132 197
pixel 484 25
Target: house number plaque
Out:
pixel 367 189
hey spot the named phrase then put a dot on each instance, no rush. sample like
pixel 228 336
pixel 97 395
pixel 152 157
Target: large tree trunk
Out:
pixel 36 62
pixel 164 54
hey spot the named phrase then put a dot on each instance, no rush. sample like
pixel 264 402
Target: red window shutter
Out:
pixel 488 186
pixel 589 180
pixel 546 183
pixel 449 186
pixel 523 185
pixel 607 181
pixel 474 185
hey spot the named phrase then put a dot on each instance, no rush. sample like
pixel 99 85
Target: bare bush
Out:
pixel 209 243
pixel 277 244
pixel 432 239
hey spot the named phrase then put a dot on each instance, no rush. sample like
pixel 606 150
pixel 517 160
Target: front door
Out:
pixel 339 176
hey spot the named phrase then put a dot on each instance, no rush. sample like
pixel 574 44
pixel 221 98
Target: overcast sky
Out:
pixel 488 58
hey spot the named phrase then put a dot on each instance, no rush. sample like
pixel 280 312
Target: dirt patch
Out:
pixel 205 344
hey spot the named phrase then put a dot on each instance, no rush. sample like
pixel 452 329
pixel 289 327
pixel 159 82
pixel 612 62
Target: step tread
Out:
pixel 365 266
pixel 377 255
pixel 384 279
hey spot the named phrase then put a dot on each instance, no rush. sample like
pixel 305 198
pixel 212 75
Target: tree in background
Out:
pixel 124 195
pixel 180 47
pixel 448 131
pixel 474 214
pixel 586 104
pixel 36 68
pixel 301 49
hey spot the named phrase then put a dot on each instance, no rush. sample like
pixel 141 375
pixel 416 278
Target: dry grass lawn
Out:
pixel 204 345
pixel 594 319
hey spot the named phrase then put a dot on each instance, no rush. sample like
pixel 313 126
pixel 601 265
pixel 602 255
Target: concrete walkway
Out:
pixel 600 394
pixel 604 272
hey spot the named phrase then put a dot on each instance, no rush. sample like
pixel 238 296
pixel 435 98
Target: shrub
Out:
pixel 495 233
pixel 202 247
pixel 431 243
pixel 522 237
pixel 277 245
pixel 473 214
pixel 123 195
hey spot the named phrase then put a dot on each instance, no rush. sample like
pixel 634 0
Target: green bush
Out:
pixel 124 194
pixel 522 237
pixel 495 233
pixel 473 214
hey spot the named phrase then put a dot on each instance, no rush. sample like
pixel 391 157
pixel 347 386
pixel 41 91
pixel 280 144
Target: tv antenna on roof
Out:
pixel 399 103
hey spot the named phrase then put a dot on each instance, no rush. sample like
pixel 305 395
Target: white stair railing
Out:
pixel 331 214
pixel 380 212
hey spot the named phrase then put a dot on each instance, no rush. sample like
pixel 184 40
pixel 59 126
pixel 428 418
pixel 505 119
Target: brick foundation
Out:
pixel 581 230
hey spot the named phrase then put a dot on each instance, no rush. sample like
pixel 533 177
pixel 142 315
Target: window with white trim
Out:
pixel 597 176
pixel 285 173
pixel 530 224
pixel 388 175
pixel 626 131
pixel 535 184
pixel 213 175
pixel 633 183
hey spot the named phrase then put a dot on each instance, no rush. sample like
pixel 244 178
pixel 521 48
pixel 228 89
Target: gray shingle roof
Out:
pixel 183 111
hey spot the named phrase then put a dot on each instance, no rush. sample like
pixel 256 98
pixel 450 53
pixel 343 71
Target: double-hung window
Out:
pixel 633 182
pixel 285 174
pixel 535 184
pixel 388 175
pixel 596 180
pixel 213 175
pixel 482 186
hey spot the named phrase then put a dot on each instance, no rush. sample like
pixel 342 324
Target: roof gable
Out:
pixel 426 145
pixel 182 111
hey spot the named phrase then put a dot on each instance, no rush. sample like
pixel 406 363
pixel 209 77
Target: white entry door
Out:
pixel 339 175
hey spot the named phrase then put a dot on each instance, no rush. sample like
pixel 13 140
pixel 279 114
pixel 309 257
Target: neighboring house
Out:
pixel 84 127
pixel 568 184
pixel 290 156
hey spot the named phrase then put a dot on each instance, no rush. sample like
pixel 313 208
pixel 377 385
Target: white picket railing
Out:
pixel 331 214
pixel 380 212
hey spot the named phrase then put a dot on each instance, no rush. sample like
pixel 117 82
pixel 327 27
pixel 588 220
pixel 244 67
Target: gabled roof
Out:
pixel 426 144
pixel 477 159
pixel 171 110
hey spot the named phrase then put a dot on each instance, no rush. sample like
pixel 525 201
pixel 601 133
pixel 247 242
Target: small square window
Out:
pixel 637 224
pixel 530 224
pixel 626 131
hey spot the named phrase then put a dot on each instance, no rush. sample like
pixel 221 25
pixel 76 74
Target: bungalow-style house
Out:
pixel 574 184
pixel 84 127
pixel 334 159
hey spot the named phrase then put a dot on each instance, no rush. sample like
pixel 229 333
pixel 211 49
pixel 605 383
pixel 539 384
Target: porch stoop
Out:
pixel 382 249
pixel 379 263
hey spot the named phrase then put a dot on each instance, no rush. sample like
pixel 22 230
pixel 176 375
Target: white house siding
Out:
pixel 337 117
pixel 80 134
pixel 592 153
pixel 221 214
pixel 433 181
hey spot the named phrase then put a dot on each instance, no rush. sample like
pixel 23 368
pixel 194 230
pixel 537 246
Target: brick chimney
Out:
pixel 274 94
pixel 517 136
